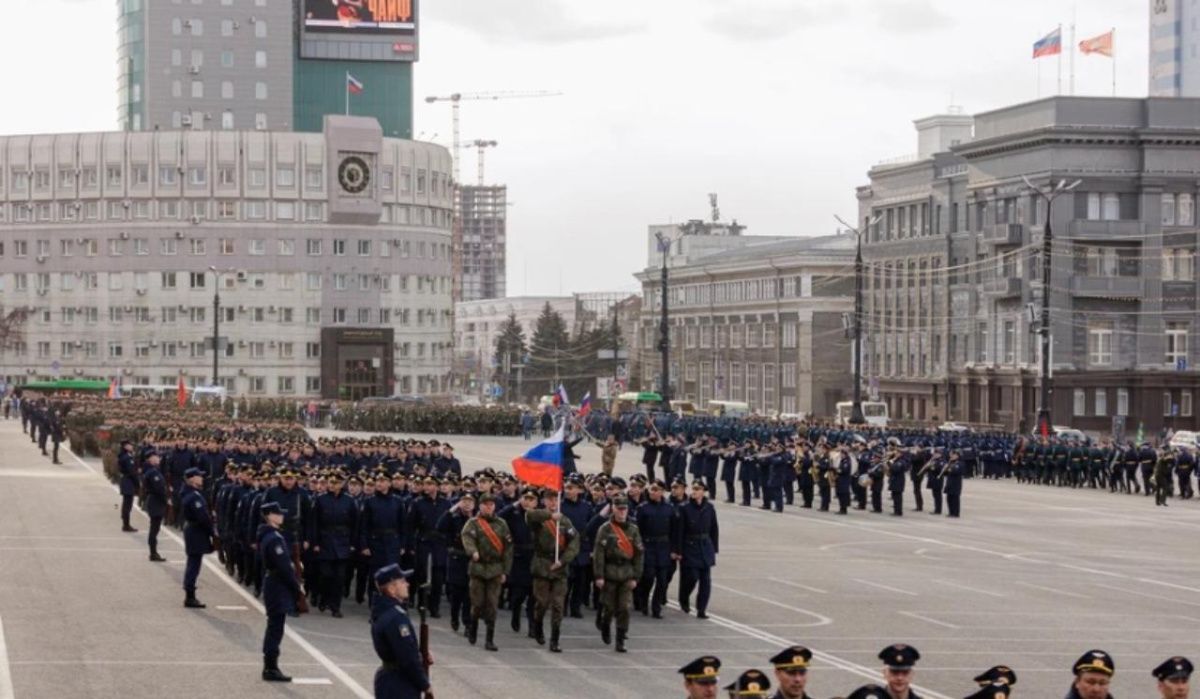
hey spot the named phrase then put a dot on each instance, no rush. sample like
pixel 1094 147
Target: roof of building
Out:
pixel 829 244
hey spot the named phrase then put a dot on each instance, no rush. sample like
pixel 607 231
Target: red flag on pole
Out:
pixel 181 393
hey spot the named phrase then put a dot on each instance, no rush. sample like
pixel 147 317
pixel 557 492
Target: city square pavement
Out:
pixel 1030 577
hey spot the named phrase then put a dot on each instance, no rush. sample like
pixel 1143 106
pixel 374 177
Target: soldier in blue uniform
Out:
pixel 129 483
pixel 281 589
pixel 657 520
pixel 953 475
pixel 579 510
pixel 1093 676
pixel 155 504
pixel 427 543
pixel 458 580
pixel 697 544
pixel 1174 675
pixel 845 475
pixel 402 674
pixel 700 677
pixel 381 526
pixel 331 529
pixel 897 475
pixel 751 684
pixel 791 672
pixel 197 532
pixel 520 577
pixel 898 661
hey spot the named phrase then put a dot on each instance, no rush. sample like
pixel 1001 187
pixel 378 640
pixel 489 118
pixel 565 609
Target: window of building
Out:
pixel 1178 264
pixel 256 176
pixel 1079 404
pixel 260 29
pixel 339 316
pixel 227 59
pixel 1100 343
pixel 1100 402
pixel 1122 401
pixel 1185 403
pixel 197 89
pixel 1185 210
pixel 313 281
pixel 1176 342
pixel 339 247
pixel 364 248
pixel 196 280
pixel 314 211
pixel 166 175
pixel 312 315
pixel 226 89
pixel 260 91
pixel 1168 404
pixel 1168 209
pixel 364 316
pixel 313 246
pixel 285 176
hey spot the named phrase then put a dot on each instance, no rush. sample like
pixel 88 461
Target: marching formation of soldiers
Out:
pixel 1091 677
pixel 428 419
pixel 43 421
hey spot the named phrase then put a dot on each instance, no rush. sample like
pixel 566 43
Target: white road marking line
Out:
pixel 342 676
pixel 6 685
pixel 802 586
pixel 1051 589
pixel 885 587
pixel 1167 584
pixel 931 620
pixel 822 620
pixel 233 608
pixel 311 680
pixel 831 547
pixel 968 588
pixel 1093 571
pixel 1147 596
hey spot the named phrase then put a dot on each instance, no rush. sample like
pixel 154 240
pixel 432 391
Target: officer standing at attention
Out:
pixel 897 475
pixel 129 483
pixel 697 544
pixel 402 675
pixel 281 589
pixel 197 532
pixel 898 660
pixel 953 482
pixel 700 677
pixel 333 518
pixel 555 545
pixel 617 564
pixel 791 672
pixel 1173 676
pixel 1093 675
pixel 488 543
pixel 156 503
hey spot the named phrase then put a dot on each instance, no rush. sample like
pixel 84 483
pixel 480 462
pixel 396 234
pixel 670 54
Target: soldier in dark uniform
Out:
pixel 898 660
pixel 155 487
pixel 555 545
pixel 953 475
pixel 1146 461
pixel 657 520
pixel 700 677
pixel 1163 480
pixel 487 541
pixel 791 672
pixel 381 526
pixel 617 561
pixel 804 466
pixel 649 445
pixel 935 467
pixel 1174 675
pixel 580 512
pixel 429 547
pixel 917 460
pixel 331 531
pixel 751 684
pixel 402 674
pixel 197 532
pixel 129 483
pixel 450 525
pixel 295 502
pixel 1093 676
pixel 56 433
pixel 729 462
pixel 748 473
pixel 281 589
pixel 897 475
pixel 697 544
pixel 520 575
pixel 844 476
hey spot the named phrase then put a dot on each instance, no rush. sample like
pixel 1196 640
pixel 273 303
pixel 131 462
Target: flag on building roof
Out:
pixel 585 405
pixel 543 464
pixel 353 84
pixel 1102 44
pixel 1048 45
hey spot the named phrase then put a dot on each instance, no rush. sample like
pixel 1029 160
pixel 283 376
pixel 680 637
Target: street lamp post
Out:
pixel 664 330
pixel 856 411
pixel 1044 410
pixel 216 324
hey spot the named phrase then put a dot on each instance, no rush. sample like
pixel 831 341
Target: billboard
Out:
pixel 392 17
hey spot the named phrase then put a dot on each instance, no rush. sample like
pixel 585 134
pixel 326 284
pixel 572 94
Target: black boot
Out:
pixel 454 623
pixel 490 643
pixel 155 558
pixel 606 630
pixel 516 619
pixel 599 618
pixel 271 671
pixel 126 528
pixel 191 602
pixel 554 631
pixel 621 640
pixel 472 631
pixel 539 632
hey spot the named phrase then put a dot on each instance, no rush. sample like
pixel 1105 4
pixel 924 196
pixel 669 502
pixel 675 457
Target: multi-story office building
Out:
pixel 761 323
pixel 252 64
pixel 954 273
pixel 1174 48
pixel 477 324
pixel 482 211
pixel 333 248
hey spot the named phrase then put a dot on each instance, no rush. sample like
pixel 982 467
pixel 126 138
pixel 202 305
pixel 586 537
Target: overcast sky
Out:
pixel 780 106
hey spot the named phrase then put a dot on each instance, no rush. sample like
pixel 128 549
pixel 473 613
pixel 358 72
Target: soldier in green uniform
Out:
pixel 617 564
pixel 489 545
pixel 551 561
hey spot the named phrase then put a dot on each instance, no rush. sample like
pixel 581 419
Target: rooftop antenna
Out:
pixel 716 212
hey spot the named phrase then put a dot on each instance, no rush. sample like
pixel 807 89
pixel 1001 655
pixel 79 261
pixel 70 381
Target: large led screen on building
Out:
pixel 397 17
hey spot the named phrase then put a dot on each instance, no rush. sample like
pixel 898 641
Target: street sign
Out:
pixel 608 354
pixel 622 371
pixel 56 367
pixel 497 391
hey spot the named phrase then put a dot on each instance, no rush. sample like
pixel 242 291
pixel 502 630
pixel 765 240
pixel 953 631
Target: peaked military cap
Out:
pixel 389 573
pixel 751 683
pixel 193 472
pixel 899 656
pixel 1095 661
pixel 869 691
pixel 702 670
pixel 271 508
pixel 1171 668
pixel 999 673
pixel 792 658
pixel 620 501
pixel 486 497
pixel 994 690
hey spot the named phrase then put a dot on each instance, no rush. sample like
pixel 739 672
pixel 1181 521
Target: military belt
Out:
pixel 390 666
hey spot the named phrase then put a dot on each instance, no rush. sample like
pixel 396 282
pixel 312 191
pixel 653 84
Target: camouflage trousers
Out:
pixel 551 594
pixel 617 599
pixel 485 597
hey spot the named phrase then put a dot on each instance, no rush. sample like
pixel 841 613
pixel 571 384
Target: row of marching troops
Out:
pixel 1127 468
pixel 483 542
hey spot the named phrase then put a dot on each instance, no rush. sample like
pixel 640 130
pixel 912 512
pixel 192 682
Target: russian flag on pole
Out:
pixel 353 84
pixel 1048 45
pixel 585 405
pixel 543 464
pixel 560 396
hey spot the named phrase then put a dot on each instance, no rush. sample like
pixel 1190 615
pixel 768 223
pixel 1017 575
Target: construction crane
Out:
pixel 456 98
pixel 481 146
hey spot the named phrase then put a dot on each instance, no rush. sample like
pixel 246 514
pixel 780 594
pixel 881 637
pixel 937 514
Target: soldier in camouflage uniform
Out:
pixel 617 564
pixel 550 565
pixel 489 545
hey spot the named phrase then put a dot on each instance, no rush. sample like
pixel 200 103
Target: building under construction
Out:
pixel 482 212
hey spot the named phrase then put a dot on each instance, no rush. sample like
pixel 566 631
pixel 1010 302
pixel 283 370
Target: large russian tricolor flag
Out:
pixel 1048 45
pixel 543 464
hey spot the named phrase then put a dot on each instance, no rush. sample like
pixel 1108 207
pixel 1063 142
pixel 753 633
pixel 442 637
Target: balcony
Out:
pixel 1108 287
pixel 1004 234
pixel 1080 228
pixel 1004 287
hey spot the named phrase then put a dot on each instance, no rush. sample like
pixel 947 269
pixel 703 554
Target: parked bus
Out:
pixel 728 408
pixel 875 412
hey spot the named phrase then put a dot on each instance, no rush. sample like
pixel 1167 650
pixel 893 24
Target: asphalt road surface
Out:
pixel 1030 577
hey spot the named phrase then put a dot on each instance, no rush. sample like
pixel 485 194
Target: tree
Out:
pixel 549 351
pixel 12 327
pixel 510 351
